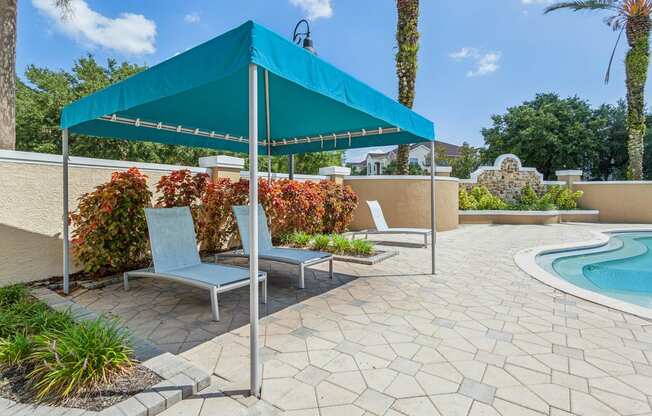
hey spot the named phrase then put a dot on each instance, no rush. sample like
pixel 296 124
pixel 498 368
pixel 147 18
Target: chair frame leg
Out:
pixel 125 280
pixel 264 297
pixel 330 268
pixel 215 307
pixel 302 276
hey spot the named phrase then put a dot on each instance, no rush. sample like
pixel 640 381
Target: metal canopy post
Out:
pixel 66 240
pixel 269 129
pixel 253 228
pixel 433 220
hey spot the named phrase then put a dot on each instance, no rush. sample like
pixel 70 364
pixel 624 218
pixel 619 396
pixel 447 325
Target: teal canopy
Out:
pixel 199 98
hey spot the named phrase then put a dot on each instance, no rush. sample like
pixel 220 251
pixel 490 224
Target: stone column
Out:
pixel 223 167
pixel 569 176
pixel 335 173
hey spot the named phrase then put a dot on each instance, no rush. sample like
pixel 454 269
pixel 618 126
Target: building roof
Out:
pixel 452 150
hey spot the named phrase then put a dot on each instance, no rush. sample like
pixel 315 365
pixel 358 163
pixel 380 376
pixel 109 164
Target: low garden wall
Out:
pixel 618 201
pixel 405 200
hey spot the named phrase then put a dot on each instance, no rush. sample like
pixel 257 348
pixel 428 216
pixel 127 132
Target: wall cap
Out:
pixel 613 183
pixel 569 172
pixel 398 177
pixel 14 156
pixel 221 161
pixel 335 171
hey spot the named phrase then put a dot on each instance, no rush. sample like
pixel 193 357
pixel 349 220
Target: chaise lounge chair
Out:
pixel 267 251
pixel 383 228
pixel 176 258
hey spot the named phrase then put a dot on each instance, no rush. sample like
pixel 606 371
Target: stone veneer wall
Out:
pixel 506 178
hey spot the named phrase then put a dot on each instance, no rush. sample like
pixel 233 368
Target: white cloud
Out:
pixel 192 17
pixel 485 63
pixel 314 9
pixel 536 1
pixel 128 33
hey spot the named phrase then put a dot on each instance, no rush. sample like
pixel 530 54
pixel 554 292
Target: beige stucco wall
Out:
pixel 623 202
pixel 405 201
pixel 31 209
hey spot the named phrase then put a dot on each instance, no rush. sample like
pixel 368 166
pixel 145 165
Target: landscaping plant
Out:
pixel 109 227
pixel 362 247
pixel 339 203
pixel 78 358
pixel 340 244
pixel 321 242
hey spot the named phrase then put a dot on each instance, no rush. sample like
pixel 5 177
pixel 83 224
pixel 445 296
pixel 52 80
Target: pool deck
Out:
pixel 480 338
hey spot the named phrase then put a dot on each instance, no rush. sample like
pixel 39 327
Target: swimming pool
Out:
pixel 621 268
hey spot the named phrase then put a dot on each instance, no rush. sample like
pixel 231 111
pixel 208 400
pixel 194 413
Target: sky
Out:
pixel 476 57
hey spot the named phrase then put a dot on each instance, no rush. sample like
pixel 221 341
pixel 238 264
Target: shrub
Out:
pixel 12 294
pixel 339 203
pixel 563 197
pixel 181 188
pixel 340 244
pixel 216 223
pixel 299 239
pixel 109 227
pixel 362 247
pixel 466 201
pixel 485 199
pixel 78 358
pixel 321 242
pixel 303 205
pixel 15 350
pixel 29 317
pixel 528 197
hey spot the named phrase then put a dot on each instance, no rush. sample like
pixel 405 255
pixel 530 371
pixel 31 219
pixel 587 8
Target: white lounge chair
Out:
pixel 383 228
pixel 175 255
pixel 267 251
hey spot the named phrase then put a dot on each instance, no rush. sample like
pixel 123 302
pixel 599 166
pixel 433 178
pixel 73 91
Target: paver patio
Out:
pixel 479 338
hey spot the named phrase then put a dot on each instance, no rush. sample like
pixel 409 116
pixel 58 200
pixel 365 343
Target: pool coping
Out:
pixel 526 260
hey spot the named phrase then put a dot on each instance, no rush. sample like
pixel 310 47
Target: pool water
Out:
pixel 621 269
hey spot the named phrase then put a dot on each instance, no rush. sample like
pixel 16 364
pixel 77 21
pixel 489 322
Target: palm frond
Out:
pixel 613 53
pixel 616 22
pixel 578 5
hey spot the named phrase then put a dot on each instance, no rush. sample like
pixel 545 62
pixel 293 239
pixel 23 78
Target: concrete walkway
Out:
pixel 480 338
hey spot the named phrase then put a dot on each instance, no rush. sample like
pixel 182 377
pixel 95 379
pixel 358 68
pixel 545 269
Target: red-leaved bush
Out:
pixel 109 227
pixel 311 207
pixel 339 203
pixel 181 188
pixel 110 231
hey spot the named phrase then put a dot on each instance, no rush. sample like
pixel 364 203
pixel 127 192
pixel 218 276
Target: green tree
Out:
pixel 8 15
pixel 305 163
pixel 407 39
pixel 632 17
pixel 548 133
pixel 466 162
pixel 39 102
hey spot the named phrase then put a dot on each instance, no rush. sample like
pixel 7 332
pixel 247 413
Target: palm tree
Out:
pixel 8 15
pixel 407 38
pixel 633 18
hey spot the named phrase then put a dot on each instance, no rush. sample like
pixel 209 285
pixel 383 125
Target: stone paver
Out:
pixel 479 338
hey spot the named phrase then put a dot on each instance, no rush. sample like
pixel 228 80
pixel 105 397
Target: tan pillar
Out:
pixel 443 170
pixel 569 176
pixel 335 173
pixel 223 167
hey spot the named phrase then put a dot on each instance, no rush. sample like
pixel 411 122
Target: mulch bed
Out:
pixel 14 385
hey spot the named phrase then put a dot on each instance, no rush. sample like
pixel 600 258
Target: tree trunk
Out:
pixel 8 11
pixel 636 66
pixel 407 38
